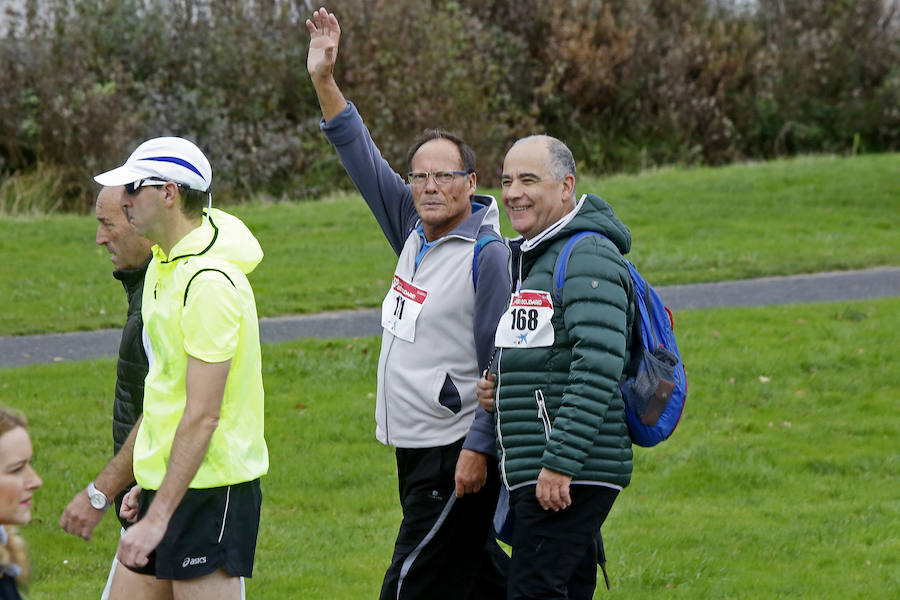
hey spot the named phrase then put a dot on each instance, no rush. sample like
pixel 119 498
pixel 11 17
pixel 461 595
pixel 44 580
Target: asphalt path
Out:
pixel 880 282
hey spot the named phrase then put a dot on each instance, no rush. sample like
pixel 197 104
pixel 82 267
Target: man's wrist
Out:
pixel 157 517
pixel 98 499
pixel 475 454
pixel 319 78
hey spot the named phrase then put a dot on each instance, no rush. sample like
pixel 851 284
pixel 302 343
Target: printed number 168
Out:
pixel 524 318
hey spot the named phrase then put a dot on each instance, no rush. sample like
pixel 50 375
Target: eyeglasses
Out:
pixel 418 178
pixel 133 187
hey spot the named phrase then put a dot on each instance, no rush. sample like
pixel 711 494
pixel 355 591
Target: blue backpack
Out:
pixel 654 384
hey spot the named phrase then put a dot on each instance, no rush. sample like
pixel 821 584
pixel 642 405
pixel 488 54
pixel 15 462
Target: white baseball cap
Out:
pixel 164 158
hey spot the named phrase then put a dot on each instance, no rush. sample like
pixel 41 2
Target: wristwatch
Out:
pixel 98 499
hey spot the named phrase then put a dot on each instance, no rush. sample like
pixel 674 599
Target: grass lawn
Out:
pixel 706 224
pixel 781 480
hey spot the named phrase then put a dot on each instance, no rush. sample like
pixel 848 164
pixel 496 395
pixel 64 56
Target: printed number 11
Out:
pixel 398 309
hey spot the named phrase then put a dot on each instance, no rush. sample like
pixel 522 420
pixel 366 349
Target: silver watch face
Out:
pixel 98 501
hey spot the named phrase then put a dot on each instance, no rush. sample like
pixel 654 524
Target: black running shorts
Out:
pixel 211 529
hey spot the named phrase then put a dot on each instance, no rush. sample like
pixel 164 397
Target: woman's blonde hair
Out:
pixel 13 552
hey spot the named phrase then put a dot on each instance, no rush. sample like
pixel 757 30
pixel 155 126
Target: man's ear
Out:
pixel 568 187
pixel 170 189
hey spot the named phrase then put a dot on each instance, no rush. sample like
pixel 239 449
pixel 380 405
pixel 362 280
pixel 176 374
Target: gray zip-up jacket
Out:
pixel 426 388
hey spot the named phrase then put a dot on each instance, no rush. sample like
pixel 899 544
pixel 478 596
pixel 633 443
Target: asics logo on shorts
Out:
pixel 190 562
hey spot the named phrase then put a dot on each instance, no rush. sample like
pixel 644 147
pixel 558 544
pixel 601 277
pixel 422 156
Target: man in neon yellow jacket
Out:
pixel 199 451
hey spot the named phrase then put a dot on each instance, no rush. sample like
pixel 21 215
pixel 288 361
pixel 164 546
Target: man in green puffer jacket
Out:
pixel 564 444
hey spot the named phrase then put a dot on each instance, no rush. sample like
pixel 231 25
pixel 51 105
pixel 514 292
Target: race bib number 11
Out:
pixel 527 321
pixel 401 308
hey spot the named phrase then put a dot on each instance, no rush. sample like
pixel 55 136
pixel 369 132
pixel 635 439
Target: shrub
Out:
pixel 626 83
pixel 42 190
pixel 440 66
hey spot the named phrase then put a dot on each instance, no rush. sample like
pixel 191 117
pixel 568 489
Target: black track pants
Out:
pixel 555 553
pixel 445 548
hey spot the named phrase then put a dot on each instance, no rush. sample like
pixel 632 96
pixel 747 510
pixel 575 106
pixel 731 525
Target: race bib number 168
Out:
pixel 527 321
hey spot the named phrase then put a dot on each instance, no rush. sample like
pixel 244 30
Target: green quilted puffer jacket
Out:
pixel 583 414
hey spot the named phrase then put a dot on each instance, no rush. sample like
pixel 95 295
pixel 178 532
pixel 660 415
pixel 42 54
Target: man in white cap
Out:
pixel 198 451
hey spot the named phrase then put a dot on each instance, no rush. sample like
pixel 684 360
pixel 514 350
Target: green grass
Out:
pixel 782 479
pixel 330 511
pixel 803 215
pixel 780 482
pixel 319 256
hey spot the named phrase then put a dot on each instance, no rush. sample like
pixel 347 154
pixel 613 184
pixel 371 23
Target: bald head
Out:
pixel 127 250
pixel 538 184
pixel 560 161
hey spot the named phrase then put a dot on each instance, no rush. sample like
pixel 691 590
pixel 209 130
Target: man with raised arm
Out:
pixel 447 293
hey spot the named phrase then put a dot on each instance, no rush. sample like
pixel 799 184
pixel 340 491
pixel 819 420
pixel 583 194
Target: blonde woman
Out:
pixel 18 481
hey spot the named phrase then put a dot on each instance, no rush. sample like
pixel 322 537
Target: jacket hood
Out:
pixel 597 215
pixel 591 213
pixel 485 212
pixel 222 236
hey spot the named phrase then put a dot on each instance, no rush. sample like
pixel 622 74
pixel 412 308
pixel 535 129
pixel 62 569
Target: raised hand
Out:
pixel 324 35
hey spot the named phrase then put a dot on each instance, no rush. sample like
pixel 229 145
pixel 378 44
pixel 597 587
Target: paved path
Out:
pixel 821 287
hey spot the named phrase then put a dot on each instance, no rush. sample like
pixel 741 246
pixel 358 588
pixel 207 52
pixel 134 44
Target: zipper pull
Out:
pixel 543 415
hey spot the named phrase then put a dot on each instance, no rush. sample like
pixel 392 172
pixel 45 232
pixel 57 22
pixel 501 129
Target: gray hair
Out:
pixel 562 162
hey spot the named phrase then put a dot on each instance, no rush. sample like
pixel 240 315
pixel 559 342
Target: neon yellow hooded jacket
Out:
pixel 198 302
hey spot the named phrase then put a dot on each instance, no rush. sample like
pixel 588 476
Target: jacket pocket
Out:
pixel 449 396
pixel 542 413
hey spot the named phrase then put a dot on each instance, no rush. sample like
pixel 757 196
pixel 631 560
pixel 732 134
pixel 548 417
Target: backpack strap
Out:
pixel 481 243
pixel 562 261
pixel 559 280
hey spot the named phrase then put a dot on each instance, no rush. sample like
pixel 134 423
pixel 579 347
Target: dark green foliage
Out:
pixel 628 84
